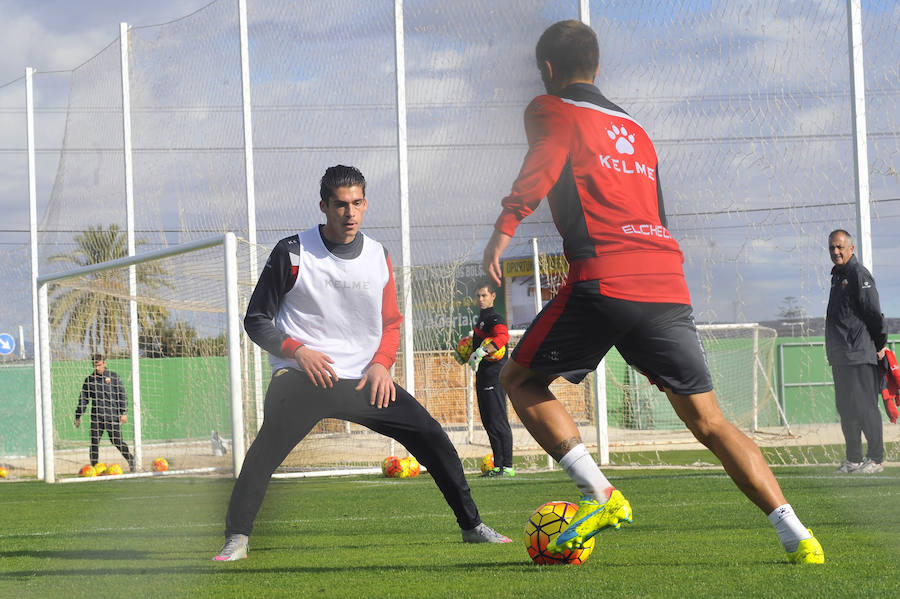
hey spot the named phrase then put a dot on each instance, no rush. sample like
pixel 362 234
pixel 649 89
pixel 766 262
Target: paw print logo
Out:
pixel 623 139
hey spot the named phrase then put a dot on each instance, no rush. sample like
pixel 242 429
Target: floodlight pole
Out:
pixel 250 187
pixel 403 172
pixel 32 220
pixel 858 121
pixel 134 348
pixel 600 418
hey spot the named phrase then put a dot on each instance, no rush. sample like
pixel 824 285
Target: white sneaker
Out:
pixel 235 548
pixel 869 467
pixel 847 467
pixel 484 534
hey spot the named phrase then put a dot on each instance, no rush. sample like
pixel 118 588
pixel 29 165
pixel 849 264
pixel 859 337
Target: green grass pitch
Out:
pixel 694 535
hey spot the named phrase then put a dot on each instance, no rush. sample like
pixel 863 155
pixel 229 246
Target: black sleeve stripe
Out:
pixel 277 278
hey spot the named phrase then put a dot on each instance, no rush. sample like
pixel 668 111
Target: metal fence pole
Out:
pixel 134 348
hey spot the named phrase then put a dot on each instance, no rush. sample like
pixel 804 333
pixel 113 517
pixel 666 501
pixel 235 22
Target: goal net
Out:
pixel 180 373
pixel 639 418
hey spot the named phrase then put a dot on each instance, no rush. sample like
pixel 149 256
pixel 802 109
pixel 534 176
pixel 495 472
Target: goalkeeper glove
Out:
pixel 476 357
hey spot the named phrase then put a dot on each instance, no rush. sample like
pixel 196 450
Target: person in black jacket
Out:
pixel 488 336
pixel 855 339
pixel 109 408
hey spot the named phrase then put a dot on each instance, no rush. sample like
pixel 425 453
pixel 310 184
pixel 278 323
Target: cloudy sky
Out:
pixel 747 103
pixel 61 34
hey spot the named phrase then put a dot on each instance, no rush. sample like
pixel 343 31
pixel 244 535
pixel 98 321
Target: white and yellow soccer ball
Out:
pixel 544 525
pixel 412 466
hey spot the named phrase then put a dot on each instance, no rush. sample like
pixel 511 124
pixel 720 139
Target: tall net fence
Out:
pixel 748 104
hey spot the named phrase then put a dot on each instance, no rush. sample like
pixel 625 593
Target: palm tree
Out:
pixel 92 310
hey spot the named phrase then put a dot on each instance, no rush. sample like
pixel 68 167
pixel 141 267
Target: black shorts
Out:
pixel 580 325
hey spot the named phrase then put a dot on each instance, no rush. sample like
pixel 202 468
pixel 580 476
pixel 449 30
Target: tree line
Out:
pixel 93 311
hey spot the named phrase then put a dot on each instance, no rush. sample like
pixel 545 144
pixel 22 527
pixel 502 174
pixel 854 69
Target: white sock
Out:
pixel 788 527
pixel 585 473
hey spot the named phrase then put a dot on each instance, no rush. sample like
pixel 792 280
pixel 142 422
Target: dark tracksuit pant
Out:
pixel 98 425
pixel 856 397
pixel 294 405
pixel 494 417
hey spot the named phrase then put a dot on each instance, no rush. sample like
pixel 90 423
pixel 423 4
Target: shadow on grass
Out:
pixel 202 566
pixel 79 554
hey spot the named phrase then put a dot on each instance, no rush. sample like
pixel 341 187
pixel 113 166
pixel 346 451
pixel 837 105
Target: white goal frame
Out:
pixel 45 427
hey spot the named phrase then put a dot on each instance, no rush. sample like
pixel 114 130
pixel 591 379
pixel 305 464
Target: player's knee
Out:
pixel 709 429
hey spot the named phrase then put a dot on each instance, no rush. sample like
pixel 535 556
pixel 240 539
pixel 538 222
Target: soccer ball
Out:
pixel 113 470
pixel 4 472
pixel 87 470
pixel 100 468
pixel 487 463
pixel 412 466
pixel 391 466
pixel 464 349
pixel 160 465
pixel 545 524
pixel 497 355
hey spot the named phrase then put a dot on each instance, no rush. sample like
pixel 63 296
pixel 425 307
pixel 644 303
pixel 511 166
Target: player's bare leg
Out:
pixel 540 411
pixel 744 463
pixel 739 455
pixel 552 426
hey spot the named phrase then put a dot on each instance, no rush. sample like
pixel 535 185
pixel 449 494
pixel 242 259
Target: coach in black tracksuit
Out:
pixel 488 390
pixel 109 409
pixel 855 338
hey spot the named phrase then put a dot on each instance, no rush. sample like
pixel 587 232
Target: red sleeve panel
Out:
pixel 547 154
pixel 500 335
pixel 391 318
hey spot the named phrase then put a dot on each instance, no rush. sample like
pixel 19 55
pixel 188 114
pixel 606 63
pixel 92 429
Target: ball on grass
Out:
pixel 390 466
pixel 545 524
pixel 412 466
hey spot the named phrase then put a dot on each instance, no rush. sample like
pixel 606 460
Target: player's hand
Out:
pixel 123 418
pixel 476 357
pixel 381 385
pixel 881 352
pixel 77 422
pixel 316 365
pixel 492 252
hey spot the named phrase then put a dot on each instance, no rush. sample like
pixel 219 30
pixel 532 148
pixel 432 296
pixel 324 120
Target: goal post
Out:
pixel 65 344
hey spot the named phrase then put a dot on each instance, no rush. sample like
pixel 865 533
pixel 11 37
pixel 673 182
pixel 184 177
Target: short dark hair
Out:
pixel 96 357
pixel 841 232
pixel 489 285
pixel 340 176
pixel 571 47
